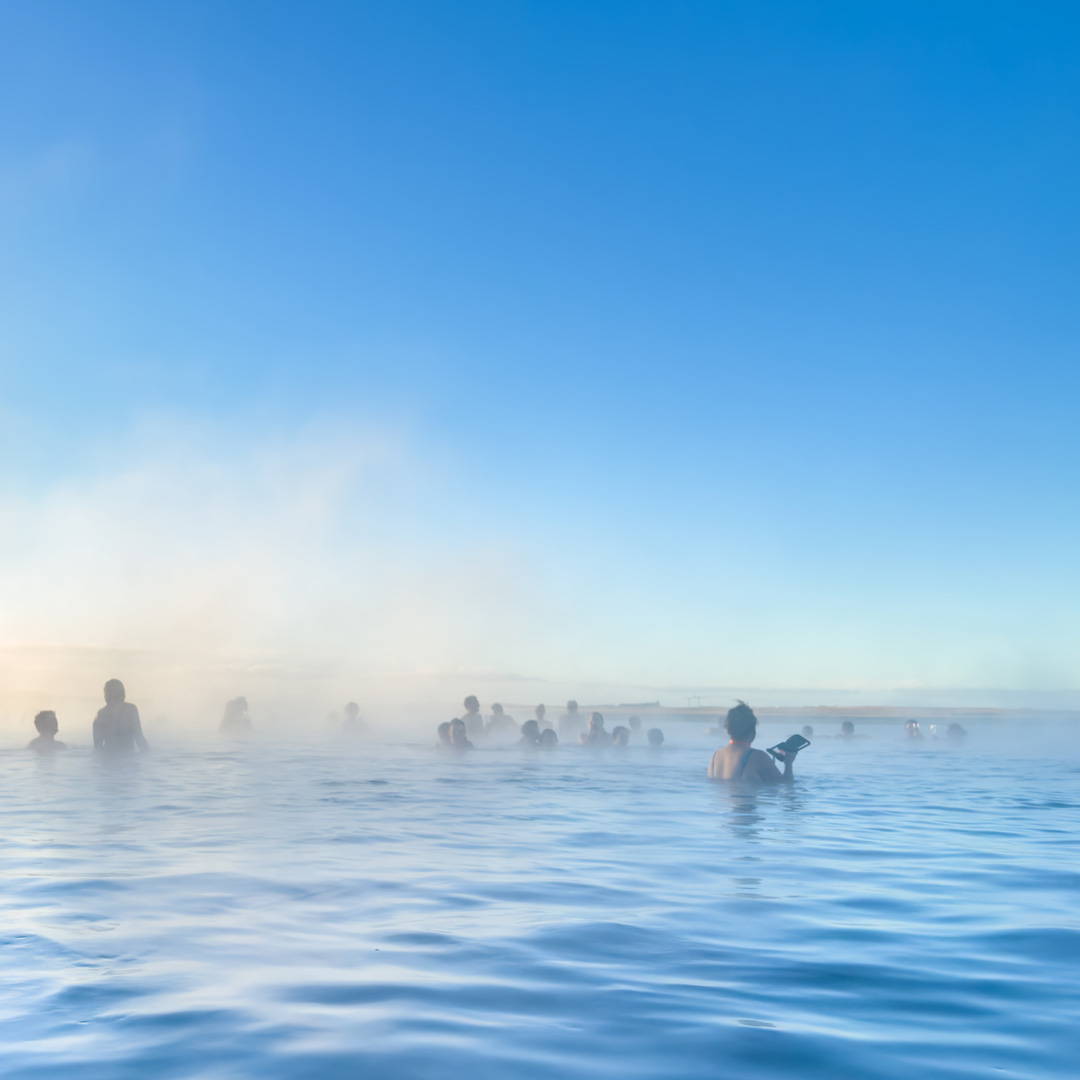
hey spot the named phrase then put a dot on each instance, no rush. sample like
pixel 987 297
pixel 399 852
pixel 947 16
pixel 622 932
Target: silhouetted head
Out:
pixel 847 728
pixel 596 723
pixel 635 723
pixel 444 734
pixel 548 738
pixel 530 731
pixel 472 704
pixel 458 734
pixel 352 711
pixel 655 737
pixel 46 722
pixel 807 731
pixel 496 709
pixel 741 722
pixel 114 692
pixel 540 712
pixel 620 736
pixel 571 706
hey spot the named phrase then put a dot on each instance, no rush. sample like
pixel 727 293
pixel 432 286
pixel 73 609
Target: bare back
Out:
pixel 742 763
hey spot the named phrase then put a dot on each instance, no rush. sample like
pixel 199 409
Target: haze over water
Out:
pixel 288 909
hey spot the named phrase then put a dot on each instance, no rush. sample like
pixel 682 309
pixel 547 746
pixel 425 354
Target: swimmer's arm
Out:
pixel 768 773
pixel 140 738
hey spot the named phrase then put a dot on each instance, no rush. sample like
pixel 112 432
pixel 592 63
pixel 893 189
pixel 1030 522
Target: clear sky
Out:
pixel 663 346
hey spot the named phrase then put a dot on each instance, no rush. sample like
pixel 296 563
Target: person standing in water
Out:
pixel 738 761
pixel 473 721
pixel 117 729
pixel 46 741
pixel 570 723
pixel 543 723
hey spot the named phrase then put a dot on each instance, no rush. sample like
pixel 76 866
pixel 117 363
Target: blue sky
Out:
pixel 644 345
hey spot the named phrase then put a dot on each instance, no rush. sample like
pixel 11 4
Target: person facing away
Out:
pixel 807 731
pixel 444 736
pixel 500 723
pixel 655 737
pixel 473 721
pixel 117 729
pixel 620 736
pixel 459 735
pixel 541 718
pixel 847 730
pixel 548 739
pixel 353 723
pixel 635 725
pixel 236 716
pixel 530 733
pixel 596 736
pixel 46 741
pixel 738 761
pixel 571 723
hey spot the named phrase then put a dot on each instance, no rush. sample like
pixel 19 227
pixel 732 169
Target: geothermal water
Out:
pixel 264 910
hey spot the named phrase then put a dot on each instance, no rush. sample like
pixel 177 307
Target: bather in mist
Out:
pixel 738 761
pixel 117 729
pixel 46 741
pixel 236 720
pixel 571 723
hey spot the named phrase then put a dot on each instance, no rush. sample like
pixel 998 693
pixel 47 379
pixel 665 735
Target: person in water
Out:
pixel 47 726
pixel 500 723
pixel 739 761
pixel 459 735
pixel 847 730
pixel 236 718
pixel 635 726
pixel 117 729
pixel 541 718
pixel 807 731
pixel 444 736
pixel 911 729
pixel 353 723
pixel 655 737
pixel 571 724
pixel 473 721
pixel 596 736
pixel 548 739
pixel 620 736
pixel 530 733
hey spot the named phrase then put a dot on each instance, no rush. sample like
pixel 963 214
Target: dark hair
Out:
pixel 472 698
pixel 571 705
pixel 114 688
pixel 530 730
pixel 42 717
pixel 655 736
pixel 497 709
pixel 620 734
pixel 847 727
pixel 741 721
pixel 548 736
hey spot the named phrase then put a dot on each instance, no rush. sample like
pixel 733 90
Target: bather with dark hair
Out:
pixel 739 761
pixel 596 735
pixel 459 736
pixel 530 734
pixel 47 726
pixel 473 721
pixel 117 728
pixel 571 724
pixel 620 736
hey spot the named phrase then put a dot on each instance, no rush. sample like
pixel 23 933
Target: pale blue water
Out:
pixel 318 911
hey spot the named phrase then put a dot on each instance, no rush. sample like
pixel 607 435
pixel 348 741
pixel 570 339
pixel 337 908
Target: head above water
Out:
pixel 655 737
pixel 548 737
pixel 472 704
pixel 635 723
pixel 530 730
pixel 458 734
pixel 352 710
pixel 596 722
pixel 807 731
pixel 444 734
pixel 496 709
pixel 114 692
pixel 620 736
pixel 741 723
pixel 571 706
pixel 540 712
pixel 847 728
pixel 46 722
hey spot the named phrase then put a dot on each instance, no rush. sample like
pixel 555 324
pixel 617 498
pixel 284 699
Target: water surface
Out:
pixel 286 910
